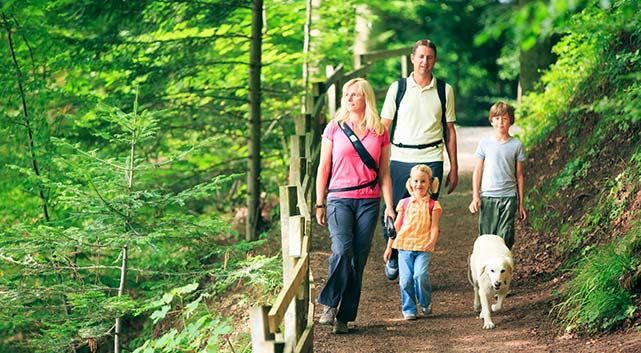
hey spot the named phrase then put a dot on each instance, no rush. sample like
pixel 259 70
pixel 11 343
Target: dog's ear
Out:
pixel 510 264
pixel 509 268
pixel 482 270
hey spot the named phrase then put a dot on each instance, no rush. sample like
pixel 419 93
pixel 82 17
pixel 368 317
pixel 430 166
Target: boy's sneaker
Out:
pixel 391 269
pixel 409 316
pixel 328 316
pixel 340 327
pixel 426 311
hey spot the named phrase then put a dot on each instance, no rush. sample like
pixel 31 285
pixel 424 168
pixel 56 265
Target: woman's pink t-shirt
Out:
pixel 347 167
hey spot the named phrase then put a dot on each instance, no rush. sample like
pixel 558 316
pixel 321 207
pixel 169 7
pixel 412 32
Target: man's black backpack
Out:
pixel 440 90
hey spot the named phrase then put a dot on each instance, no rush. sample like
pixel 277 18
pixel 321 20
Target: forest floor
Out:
pixel 524 325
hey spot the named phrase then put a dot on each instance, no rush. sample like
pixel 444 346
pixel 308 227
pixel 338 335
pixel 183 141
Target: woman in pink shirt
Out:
pixel 353 197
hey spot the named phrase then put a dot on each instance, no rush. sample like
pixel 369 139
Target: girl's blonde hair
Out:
pixel 372 120
pixel 422 168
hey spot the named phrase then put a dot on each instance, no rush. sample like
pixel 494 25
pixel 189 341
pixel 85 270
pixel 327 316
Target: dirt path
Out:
pixel 523 326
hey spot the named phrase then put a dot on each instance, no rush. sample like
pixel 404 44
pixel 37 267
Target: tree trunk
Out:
pixel 533 61
pixel 253 174
pixel 121 291
pixel 26 118
pixel 129 176
pixel 306 106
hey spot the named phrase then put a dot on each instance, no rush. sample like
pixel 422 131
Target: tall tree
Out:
pixel 253 167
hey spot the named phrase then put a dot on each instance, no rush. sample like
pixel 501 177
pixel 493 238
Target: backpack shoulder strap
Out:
pixel 440 90
pixel 400 92
pixel 358 146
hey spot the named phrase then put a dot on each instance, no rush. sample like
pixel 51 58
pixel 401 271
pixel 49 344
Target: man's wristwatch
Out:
pixel 321 206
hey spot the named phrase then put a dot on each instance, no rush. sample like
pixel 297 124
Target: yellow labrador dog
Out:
pixel 490 273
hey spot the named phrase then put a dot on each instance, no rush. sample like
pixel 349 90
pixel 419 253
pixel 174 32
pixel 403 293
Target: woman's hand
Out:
pixel 389 212
pixel 320 216
pixel 387 254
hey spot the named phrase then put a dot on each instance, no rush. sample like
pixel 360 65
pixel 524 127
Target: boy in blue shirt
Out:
pixel 497 181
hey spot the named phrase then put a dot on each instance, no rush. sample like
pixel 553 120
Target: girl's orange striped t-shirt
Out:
pixel 414 233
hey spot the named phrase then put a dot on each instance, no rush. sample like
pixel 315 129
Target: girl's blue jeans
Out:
pixel 414 280
pixel 351 225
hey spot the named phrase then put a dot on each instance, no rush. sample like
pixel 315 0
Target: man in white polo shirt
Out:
pixel 418 136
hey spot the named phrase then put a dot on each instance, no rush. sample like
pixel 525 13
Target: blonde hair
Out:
pixel 372 120
pixel 422 168
pixel 501 108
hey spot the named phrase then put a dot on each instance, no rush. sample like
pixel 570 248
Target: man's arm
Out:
pixel 388 111
pixel 452 179
pixel 387 123
pixel 386 181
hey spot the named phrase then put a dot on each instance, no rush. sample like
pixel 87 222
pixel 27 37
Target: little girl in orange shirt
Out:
pixel 418 230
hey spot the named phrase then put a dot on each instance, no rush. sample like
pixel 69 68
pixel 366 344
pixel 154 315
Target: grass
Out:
pixel 595 298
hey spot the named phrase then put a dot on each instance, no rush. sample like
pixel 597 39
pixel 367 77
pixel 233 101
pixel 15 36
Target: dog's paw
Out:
pixel 488 325
pixel 496 307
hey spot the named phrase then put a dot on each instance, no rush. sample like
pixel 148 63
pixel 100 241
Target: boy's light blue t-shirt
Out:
pixel 499 166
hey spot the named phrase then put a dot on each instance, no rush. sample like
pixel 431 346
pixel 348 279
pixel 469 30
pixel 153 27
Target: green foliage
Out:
pixel 256 271
pixel 113 201
pixel 158 178
pixel 195 327
pixel 595 299
pixel 334 42
pixel 199 329
pixel 574 170
pixel 598 53
pixel 588 112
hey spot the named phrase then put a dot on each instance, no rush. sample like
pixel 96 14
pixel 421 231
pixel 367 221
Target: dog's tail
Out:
pixel 469 270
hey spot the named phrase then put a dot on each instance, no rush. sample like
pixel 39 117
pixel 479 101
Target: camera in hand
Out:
pixel 389 226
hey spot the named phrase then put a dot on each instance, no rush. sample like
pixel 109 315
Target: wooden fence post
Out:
pixel 318 94
pixel 262 340
pixel 333 93
pixel 296 229
pixel 297 169
pixel 303 124
pixel 298 146
pixel 288 208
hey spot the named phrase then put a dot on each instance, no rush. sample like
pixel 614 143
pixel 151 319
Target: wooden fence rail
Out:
pixel 287 325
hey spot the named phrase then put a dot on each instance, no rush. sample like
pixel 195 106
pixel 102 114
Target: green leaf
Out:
pixel 160 314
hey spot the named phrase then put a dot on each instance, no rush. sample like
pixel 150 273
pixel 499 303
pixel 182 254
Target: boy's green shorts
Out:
pixel 497 217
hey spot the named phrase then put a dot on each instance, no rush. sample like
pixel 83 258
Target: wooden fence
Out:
pixel 288 324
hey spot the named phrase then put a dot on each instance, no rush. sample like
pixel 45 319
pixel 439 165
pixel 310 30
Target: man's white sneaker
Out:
pixel 327 316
